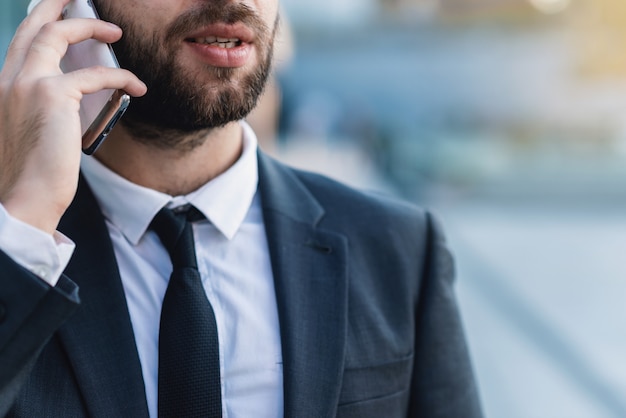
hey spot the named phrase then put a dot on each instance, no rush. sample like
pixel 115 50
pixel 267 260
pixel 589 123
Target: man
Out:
pixel 317 300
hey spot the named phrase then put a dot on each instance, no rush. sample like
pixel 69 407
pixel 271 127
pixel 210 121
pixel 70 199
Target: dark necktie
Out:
pixel 189 367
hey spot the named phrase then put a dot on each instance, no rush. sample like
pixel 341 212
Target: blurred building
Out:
pixel 462 10
pixel 600 28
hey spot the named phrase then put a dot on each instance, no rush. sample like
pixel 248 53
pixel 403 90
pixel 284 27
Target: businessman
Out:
pixel 182 272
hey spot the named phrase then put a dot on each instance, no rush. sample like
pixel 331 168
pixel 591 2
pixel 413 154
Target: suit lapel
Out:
pixel 99 338
pixel 310 273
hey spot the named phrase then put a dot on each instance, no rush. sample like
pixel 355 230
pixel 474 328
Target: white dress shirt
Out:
pixel 233 259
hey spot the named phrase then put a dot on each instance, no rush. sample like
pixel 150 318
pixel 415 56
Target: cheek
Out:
pixel 267 10
pixel 149 16
pixel 274 15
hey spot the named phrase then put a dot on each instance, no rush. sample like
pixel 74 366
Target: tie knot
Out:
pixel 176 233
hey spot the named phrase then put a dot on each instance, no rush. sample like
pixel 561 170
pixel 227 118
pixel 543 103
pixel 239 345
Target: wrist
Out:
pixel 35 211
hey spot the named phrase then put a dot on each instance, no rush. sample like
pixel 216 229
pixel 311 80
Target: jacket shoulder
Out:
pixel 366 207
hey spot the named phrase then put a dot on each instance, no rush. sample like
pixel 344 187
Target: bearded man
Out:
pixel 182 272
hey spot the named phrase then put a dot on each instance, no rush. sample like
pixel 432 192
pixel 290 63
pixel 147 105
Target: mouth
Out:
pixel 226 43
pixel 223 45
pixel 223 35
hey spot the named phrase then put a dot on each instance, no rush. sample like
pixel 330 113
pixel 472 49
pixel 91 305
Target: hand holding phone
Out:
pixel 40 124
pixel 100 111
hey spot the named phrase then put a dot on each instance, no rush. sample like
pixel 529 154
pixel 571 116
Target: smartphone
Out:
pixel 100 111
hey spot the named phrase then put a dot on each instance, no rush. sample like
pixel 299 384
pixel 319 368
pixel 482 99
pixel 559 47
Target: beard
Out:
pixel 177 111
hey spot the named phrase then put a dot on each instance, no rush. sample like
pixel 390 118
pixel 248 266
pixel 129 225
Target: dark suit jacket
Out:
pixel 369 324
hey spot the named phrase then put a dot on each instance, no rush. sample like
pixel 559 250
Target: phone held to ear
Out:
pixel 100 111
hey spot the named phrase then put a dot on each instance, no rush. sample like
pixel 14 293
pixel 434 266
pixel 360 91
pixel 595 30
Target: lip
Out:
pixel 216 56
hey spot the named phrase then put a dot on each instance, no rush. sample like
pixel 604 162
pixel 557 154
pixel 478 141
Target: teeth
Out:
pixel 219 42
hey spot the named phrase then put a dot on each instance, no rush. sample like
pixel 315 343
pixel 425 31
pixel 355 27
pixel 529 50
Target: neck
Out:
pixel 174 171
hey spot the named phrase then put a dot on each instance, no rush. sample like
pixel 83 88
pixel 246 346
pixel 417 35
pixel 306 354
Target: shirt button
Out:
pixel 41 271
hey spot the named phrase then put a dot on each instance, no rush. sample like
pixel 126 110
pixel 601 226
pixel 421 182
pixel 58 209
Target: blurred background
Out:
pixel 505 117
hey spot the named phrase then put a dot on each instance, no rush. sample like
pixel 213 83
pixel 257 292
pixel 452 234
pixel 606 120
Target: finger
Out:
pixel 32 5
pixel 46 11
pixel 94 79
pixel 52 41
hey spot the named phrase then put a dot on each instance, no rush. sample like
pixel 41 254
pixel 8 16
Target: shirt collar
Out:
pixel 225 200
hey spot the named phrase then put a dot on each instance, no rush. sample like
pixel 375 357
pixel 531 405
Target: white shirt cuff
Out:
pixel 44 255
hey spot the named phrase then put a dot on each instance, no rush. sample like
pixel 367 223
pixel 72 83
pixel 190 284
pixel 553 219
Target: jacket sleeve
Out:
pixel 443 384
pixel 30 312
